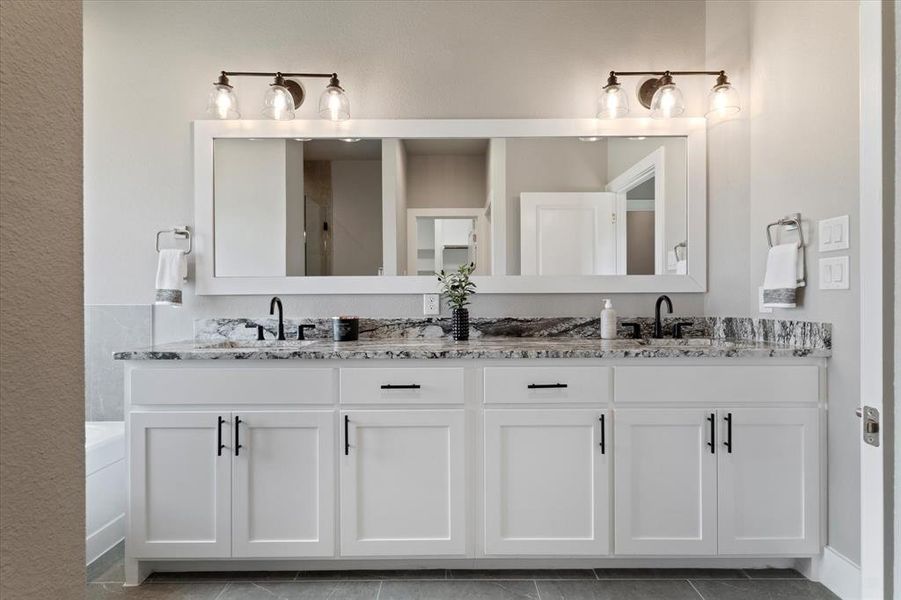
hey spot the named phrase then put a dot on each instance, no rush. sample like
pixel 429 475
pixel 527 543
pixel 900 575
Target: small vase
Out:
pixel 460 324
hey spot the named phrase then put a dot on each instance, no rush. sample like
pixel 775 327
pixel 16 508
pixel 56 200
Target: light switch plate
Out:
pixel 760 307
pixel 431 304
pixel 835 273
pixel 834 234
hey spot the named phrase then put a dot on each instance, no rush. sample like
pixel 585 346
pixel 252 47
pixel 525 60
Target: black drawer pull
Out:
pixel 728 442
pixel 238 445
pixel 405 386
pixel 219 437
pixel 346 431
pixel 603 434
pixel 546 386
pixel 712 443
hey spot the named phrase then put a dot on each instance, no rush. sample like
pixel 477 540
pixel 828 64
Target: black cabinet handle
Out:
pixel 603 434
pixel 712 442
pixel 546 386
pixel 346 431
pixel 405 386
pixel 728 442
pixel 238 445
pixel 219 437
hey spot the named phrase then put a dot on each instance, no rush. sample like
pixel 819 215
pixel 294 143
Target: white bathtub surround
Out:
pixel 104 487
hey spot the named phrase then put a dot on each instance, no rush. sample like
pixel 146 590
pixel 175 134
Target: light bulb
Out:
pixel 667 101
pixel 613 102
pixel 723 101
pixel 278 104
pixel 222 103
pixel 333 103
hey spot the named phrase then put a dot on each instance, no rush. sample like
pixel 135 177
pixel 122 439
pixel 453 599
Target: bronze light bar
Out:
pixel 333 103
pixel 660 94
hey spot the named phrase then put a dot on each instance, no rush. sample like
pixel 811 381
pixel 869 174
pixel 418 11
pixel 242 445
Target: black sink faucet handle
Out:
pixel 636 330
pixel 259 330
pixel 678 327
pixel 300 329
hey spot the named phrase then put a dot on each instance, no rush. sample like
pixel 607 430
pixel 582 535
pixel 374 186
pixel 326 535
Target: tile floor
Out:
pixel 105 583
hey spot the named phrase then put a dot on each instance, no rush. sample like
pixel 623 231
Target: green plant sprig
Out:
pixel 456 286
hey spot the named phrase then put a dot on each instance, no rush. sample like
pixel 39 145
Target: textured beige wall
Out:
pixel 41 382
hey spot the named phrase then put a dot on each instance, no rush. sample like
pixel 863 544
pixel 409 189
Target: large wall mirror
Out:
pixel 381 206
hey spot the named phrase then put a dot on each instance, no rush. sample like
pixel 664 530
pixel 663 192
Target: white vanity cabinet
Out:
pixel 403 489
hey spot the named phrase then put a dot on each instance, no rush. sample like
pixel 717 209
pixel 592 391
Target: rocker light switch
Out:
pixel 834 273
pixel 834 234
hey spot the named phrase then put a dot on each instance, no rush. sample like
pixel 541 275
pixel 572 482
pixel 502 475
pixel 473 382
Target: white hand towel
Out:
pixel 783 276
pixel 171 271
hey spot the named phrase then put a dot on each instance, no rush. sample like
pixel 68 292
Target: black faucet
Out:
pixel 658 326
pixel 276 301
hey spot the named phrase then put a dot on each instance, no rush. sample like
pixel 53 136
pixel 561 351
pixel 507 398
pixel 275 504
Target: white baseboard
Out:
pixel 835 571
pixel 104 538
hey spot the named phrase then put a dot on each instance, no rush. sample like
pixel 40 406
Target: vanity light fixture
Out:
pixel 660 94
pixel 283 97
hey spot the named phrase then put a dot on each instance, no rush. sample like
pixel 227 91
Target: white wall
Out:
pixel 396 59
pixel 804 157
pixel 295 209
pixel 356 217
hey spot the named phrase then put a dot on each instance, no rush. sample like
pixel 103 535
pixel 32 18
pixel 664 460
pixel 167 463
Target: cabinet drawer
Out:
pixel 720 384
pixel 547 384
pixel 402 386
pixel 232 386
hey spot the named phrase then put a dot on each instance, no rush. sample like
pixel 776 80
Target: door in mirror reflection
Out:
pixel 443 244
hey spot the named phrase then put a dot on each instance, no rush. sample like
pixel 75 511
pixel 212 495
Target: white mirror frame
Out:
pixel 694 129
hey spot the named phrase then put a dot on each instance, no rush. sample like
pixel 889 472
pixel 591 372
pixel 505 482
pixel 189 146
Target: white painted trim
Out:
pixel 836 572
pixel 104 538
pixel 695 129
pixel 652 165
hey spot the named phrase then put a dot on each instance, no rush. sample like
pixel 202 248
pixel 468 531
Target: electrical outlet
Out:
pixel 431 304
pixel 834 273
pixel 834 234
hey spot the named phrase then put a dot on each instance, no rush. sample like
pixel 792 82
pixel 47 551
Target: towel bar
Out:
pixel 180 233
pixel 793 220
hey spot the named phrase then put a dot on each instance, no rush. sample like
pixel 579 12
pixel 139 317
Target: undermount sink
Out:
pixel 678 341
pixel 254 344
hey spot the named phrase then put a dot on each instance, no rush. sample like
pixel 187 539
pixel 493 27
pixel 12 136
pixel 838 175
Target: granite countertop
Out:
pixel 484 348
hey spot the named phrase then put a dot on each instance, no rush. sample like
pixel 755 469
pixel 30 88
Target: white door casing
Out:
pixel 284 484
pixel 403 488
pixel 665 482
pixel 179 485
pixel 547 482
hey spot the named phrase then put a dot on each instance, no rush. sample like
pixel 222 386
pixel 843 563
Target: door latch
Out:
pixel 870 418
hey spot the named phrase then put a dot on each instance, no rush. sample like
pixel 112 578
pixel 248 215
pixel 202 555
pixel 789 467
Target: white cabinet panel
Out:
pixel 665 482
pixel 535 384
pixel 402 483
pixel 418 385
pixel 769 484
pixel 546 482
pixel 284 484
pixel 180 485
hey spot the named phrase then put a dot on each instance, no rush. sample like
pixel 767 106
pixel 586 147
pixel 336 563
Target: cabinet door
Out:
pixel 665 481
pixel 284 484
pixel 402 483
pixel 179 485
pixel 769 483
pixel 546 482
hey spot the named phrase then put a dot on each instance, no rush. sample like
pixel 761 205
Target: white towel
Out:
pixel 784 275
pixel 171 271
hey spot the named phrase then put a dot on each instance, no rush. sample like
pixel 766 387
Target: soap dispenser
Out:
pixel 608 321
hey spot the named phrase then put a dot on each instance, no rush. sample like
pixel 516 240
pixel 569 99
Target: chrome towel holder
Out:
pixel 792 221
pixel 180 232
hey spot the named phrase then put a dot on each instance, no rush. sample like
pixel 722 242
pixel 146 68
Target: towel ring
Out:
pixel 179 233
pixel 789 221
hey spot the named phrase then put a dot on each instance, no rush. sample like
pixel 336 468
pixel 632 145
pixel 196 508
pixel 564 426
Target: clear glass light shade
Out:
pixel 723 101
pixel 278 104
pixel 223 103
pixel 333 104
pixel 667 102
pixel 613 103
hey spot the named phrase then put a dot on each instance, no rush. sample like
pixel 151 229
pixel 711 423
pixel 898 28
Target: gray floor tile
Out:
pixel 458 590
pixel 164 591
pixel 670 574
pixel 372 575
pixel 503 574
pixel 617 590
pixel 773 574
pixel 224 576
pixel 305 590
pixel 763 589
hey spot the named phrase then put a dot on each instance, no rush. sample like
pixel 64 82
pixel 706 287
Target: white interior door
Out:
pixel 284 484
pixel 569 233
pixel 665 473
pixel 546 482
pixel 402 483
pixel 180 485
pixel 769 481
